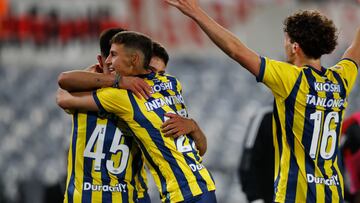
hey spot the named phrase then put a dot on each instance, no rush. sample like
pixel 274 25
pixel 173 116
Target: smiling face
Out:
pixel 119 60
pixel 157 65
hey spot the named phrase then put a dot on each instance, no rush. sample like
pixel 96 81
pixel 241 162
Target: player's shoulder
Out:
pixel 279 63
pixel 111 90
pixel 345 62
pixel 167 78
pixel 111 94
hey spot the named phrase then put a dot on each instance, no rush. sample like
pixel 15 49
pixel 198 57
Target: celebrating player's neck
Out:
pixel 140 70
pixel 303 61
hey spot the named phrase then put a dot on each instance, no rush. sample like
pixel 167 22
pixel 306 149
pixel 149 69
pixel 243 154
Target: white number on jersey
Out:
pixel 116 146
pixel 180 141
pixel 326 134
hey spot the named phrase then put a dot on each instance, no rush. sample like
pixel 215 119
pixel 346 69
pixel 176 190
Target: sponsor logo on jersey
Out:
pixel 161 87
pixel 120 187
pixel 325 102
pixel 166 101
pixel 196 167
pixel 327 87
pixel 332 180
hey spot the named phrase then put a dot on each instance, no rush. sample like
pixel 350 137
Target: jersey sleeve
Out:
pixel 112 100
pixel 279 76
pixel 348 70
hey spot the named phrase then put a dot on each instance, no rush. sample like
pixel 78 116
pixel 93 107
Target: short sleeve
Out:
pixel 111 100
pixel 279 76
pixel 348 70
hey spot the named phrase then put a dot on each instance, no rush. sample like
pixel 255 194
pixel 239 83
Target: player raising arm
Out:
pixel 231 45
pixel 310 100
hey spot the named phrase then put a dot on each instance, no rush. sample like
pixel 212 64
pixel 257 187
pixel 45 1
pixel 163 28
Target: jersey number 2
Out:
pixel 180 141
pixel 97 153
pixel 326 134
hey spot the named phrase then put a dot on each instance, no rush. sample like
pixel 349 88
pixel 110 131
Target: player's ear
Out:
pixel 295 47
pixel 135 59
pixel 100 60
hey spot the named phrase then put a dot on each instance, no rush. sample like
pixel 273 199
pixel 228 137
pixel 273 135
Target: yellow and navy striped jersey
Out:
pixel 308 114
pixel 174 163
pixel 104 162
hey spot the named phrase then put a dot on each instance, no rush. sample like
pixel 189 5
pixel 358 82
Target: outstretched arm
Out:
pixel 177 126
pixel 353 52
pixel 222 37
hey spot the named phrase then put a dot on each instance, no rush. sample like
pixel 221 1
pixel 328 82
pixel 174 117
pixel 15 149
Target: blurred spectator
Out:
pixel 351 152
pixel 24 33
pixel 47 28
pixel 52 25
pixel 8 27
pixel 106 20
pixel 4 6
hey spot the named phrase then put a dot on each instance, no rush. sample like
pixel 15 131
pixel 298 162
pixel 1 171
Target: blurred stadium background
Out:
pixel 41 38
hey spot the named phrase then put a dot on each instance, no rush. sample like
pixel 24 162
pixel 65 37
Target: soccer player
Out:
pixel 174 163
pixel 310 100
pixel 176 125
pixel 105 163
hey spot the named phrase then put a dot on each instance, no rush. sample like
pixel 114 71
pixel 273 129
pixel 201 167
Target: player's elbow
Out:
pixel 62 100
pixel 202 150
pixel 63 80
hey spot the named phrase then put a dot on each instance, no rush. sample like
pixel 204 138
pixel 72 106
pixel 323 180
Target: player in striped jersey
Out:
pixel 176 125
pixel 309 100
pixel 174 163
pixel 105 163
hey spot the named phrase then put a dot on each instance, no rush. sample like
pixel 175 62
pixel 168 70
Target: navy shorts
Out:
pixel 208 197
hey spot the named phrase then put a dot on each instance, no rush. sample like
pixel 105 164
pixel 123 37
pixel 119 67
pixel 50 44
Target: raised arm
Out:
pixel 177 125
pixel 222 37
pixel 353 52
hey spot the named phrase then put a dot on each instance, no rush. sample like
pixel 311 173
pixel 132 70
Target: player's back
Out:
pixel 102 162
pixel 174 163
pixel 308 113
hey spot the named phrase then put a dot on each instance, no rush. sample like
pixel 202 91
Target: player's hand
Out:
pixel 176 125
pixel 137 85
pixel 187 7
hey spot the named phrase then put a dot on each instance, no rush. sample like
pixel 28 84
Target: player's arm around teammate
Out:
pixel 176 126
pixel 78 80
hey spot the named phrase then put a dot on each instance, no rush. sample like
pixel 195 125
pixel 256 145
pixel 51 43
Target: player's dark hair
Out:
pixel 135 40
pixel 105 38
pixel 314 32
pixel 160 51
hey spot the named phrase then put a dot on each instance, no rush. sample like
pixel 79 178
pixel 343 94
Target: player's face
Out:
pixel 104 66
pixel 288 49
pixel 157 65
pixel 119 60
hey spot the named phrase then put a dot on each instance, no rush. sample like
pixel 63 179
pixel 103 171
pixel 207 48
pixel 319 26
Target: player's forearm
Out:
pixel 75 81
pixel 199 139
pixel 76 101
pixel 353 52
pixel 228 42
